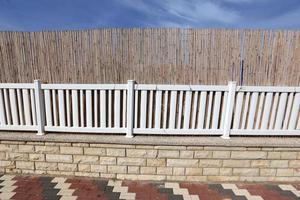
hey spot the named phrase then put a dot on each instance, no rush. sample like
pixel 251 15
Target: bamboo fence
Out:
pixel 167 56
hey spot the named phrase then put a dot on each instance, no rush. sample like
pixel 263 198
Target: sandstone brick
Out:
pixel 203 154
pixel 211 171
pixel 221 154
pixel 141 177
pixel 296 172
pixel 236 163
pixel 210 163
pixel 71 150
pixel 2 156
pixel 12 171
pixel 144 147
pixel 109 176
pixel 294 163
pixel 133 170
pixel 7 164
pixel 95 151
pixel 36 157
pixel 117 169
pixel 59 158
pixel 196 178
pixel 67 167
pixel 26 148
pixel 115 152
pixel 245 172
pixel 288 155
pixel 178 171
pixel 274 155
pixel 12 142
pixel 267 172
pixel 16 156
pixel 176 178
pixel 248 155
pixel 131 161
pixel 98 168
pixel 285 172
pixel 144 153
pixel 168 153
pixel 225 171
pixel 186 154
pixel 80 144
pixel 260 163
pixel 286 179
pixel 170 147
pixel 84 167
pixel 223 178
pixel 279 164
pixel 164 170
pixel 182 162
pixel 148 170
pixel 46 149
pixel 85 159
pixel 87 174
pixel 193 171
pixel 108 160
pixel 24 165
pixel 156 162
pixel 45 166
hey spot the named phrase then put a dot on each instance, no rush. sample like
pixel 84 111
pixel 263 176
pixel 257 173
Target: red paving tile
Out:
pixel 28 188
pixel 144 191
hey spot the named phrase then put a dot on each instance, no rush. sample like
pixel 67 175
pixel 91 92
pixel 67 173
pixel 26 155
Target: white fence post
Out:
pixel 229 109
pixel 40 112
pixel 130 108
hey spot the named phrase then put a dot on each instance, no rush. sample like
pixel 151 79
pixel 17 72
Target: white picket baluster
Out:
pixel 61 108
pixel 2 109
pixel 81 108
pixel 150 110
pixel 252 110
pixel 143 119
pixel 294 113
pixel 39 103
pixel 195 109
pixel 109 108
pixel 33 106
pixel 130 108
pixel 103 108
pixel 216 110
pixel 20 107
pixel 68 108
pixel 89 113
pixel 187 109
pixel 117 108
pixel 95 108
pixel 13 106
pixel 209 110
pixel 173 109
pixel 26 103
pixel 124 108
pixel 281 111
pixel 48 107
pixel 202 108
pixel 158 109
pixel 267 111
pixel 224 103
pixel 75 108
pixel 54 103
pixel 238 110
pixel 166 99
pixel 288 111
pixel 179 118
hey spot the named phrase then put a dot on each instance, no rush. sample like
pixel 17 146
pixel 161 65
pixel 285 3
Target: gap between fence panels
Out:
pixel 150 109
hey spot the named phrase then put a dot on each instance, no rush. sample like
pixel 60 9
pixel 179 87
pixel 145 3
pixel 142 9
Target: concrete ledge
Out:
pixel 291 142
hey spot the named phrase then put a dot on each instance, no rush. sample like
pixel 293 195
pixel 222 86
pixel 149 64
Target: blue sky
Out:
pixel 35 15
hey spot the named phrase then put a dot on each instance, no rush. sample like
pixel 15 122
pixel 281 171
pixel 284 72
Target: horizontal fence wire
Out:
pixel 150 109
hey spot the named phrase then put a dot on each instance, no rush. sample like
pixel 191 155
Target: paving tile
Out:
pixel 51 188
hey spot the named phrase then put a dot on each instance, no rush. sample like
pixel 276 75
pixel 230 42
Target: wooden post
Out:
pixel 229 110
pixel 130 108
pixel 39 105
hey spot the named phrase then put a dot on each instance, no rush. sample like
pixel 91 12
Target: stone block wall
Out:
pixel 150 162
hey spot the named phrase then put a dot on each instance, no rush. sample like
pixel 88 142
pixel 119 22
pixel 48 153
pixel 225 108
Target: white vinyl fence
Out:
pixel 150 109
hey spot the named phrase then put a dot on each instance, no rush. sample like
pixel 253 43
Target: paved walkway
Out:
pixel 52 188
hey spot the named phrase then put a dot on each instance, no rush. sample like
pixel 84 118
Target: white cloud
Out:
pixel 194 11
